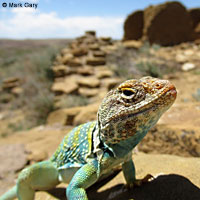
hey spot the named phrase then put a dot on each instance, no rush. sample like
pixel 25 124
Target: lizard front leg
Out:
pixel 82 179
pixel 128 168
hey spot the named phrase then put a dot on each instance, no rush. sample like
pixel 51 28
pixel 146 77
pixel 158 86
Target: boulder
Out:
pixel 99 54
pixel 167 24
pixel 60 70
pixel 8 155
pixel 68 86
pixel 89 81
pixel 85 70
pixel 65 51
pixel 195 16
pixel 79 52
pixel 74 62
pixel 88 92
pixel 17 91
pixel 87 113
pixel 10 83
pixel 110 83
pixel 6 98
pixel 133 26
pixel 132 44
pixel 94 47
pixel 90 33
pixel 106 39
pixel 95 61
pixel 63 116
pixel 103 72
pixel 197 31
pixel 65 59
pixel 188 66
pixel 37 156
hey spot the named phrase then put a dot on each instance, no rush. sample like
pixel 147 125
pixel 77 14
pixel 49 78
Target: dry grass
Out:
pixel 31 61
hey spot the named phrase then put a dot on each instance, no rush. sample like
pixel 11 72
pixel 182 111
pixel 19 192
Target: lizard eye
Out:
pixel 128 93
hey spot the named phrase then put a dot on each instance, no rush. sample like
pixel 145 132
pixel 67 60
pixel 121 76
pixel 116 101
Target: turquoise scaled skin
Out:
pixel 93 149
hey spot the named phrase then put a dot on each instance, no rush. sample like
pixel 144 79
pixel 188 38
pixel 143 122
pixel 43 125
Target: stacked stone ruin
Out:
pixel 11 87
pixel 166 24
pixel 81 68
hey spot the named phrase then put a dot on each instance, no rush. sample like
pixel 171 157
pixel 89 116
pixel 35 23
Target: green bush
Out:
pixel 149 69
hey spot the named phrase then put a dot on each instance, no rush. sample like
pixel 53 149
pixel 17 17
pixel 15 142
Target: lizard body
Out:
pixel 91 150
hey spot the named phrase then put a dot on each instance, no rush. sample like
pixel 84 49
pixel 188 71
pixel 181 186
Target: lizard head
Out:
pixel 133 108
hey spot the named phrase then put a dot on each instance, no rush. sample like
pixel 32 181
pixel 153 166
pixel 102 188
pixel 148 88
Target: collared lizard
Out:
pixel 92 149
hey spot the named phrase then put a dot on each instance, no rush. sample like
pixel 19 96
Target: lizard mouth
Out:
pixel 171 91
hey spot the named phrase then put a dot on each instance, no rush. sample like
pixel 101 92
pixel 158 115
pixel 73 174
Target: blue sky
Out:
pixel 70 18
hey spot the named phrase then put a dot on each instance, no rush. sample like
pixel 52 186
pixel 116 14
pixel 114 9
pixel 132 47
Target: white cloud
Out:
pixel 31 23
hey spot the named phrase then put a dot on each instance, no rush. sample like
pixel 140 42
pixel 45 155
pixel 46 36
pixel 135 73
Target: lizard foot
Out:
pixel 139 182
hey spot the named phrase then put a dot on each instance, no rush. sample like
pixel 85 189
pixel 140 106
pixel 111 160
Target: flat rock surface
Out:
pixel 12 159
pixel 175 178
pixel 8 155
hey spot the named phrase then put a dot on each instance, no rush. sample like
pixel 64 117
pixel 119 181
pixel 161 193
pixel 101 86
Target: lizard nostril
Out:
pixel 158 85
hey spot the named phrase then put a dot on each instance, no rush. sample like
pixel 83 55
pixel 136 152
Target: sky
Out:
pixel 69 18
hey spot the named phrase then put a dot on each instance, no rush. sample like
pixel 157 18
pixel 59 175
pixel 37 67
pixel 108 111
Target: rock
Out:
pixel 6 98
pixel 167 24
pixel 75 62
pixel 79 52
pixel 17 91
pixel 94 47
pixel 66 58
pixel 175 178
pixel 133 26
pixel 88 92
pixel 11 80
pixel 197 31
pixel 13 157
pixel 172 139
pixel 90 33
pixel 60 70
pixel 87 113
pixel 195 16
pixel 65 51
pixel 85 70
pixel 110 83
pixel 63 116
pixel 95 61
pixel 181 58
pixel 132 44
pixel 37 156
pixel 68 86
pixel 103 72
pixel 10 83
pixel 197 41
pixel 174 172
pixel 106 39
pixel 90 81
pixel 99 54
pixel 188 66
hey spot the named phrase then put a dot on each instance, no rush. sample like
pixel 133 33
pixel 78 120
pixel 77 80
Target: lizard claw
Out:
pixel 139 182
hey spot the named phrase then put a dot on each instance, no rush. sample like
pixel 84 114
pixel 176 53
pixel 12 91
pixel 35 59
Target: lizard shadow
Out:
pixel 164 187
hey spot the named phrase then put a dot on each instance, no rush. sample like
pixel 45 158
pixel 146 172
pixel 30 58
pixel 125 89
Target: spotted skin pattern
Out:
pixel 75 147
pixel 92 150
